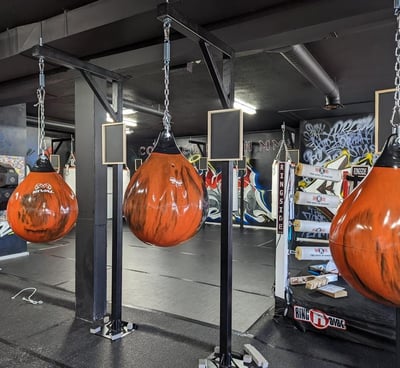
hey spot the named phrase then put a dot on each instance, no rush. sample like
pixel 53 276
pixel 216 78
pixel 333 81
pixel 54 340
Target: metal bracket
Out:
pixel 114 330
pixel 88 71
pixel 224 84
pixel 215 75
pixel 200 145
pixel 191 30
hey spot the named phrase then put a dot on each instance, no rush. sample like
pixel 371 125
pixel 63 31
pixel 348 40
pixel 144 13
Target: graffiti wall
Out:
pixel 12 152
pixel 337 144
pixel 260 149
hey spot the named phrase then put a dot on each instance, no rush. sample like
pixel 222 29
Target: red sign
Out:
pixel 317 318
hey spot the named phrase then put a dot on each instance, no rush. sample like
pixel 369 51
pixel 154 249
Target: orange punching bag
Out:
pixel 165 202
pixel 365 232
pixel 43 207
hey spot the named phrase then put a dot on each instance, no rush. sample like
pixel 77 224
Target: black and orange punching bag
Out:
pixel 43 207
pixel 365 232
pixel 165 202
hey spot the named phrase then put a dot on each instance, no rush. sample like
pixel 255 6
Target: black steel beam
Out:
pixel 61 58
pixel 200 145
pixel 102 96
pixel 59 142
pixel 228 81
pixel 191 30
pixel 88 71
pixel 215 75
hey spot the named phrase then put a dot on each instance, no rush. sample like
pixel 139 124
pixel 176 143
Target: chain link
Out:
pixel 41 93
pixel 167 48
pixel 396 107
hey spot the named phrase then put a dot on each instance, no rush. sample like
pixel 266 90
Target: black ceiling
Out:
pixel 353 41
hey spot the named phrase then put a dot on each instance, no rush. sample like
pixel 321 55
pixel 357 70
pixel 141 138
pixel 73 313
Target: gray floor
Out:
pixel 173 296
pixel 182 280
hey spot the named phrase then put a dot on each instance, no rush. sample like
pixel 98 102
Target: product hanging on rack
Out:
pixel 43 207
pixel 165 202
pixel 365 233
pixel 70 167
pixel 283 148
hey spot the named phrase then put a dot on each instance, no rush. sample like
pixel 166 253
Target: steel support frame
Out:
pixel 224 85
pixel 59 142
pixel 115 328
pixel 88 71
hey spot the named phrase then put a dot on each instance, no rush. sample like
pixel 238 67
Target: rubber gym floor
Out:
pixel 172 294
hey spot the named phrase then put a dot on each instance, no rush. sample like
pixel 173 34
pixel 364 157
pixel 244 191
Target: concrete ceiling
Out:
pixel 353 41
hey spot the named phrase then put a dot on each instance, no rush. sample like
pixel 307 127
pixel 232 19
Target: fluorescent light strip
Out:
pixel 128 111
pixel 247 108
pixel 130 123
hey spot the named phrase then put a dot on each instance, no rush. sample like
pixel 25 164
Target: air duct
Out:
pixel 302 60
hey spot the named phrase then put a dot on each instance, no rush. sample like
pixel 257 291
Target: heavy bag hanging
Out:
pixel 165 202
pixel 365 233
pixel 43 207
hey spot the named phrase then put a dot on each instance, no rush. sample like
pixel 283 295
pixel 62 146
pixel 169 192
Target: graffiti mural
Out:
pixel 323 141
pixel 335 144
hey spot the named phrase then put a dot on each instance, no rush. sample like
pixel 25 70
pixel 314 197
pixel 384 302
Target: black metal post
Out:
pixel 91 190
pixel 242 199
pixel 226 266
pixel 116 288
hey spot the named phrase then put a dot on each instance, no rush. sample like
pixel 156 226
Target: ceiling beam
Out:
pixel 304 22
pixel 19 39
pixel 299 22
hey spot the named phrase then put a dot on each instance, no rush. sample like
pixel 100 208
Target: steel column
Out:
pixel 242 199
pixel 116 292
pixel 225 330
pixel 91 190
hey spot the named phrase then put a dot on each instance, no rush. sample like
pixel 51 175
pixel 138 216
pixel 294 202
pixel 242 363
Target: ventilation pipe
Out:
pixel 302 60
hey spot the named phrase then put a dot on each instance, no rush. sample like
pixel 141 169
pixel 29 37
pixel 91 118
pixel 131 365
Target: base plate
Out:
pixel 110 331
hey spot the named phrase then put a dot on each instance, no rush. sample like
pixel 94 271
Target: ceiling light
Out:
pixel 130 123
pixel 247 108
pixel 126 121
pixel 128 111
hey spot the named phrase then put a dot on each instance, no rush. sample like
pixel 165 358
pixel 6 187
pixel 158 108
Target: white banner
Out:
pixel 318 172
pixel 311 226
pixel 313 253
pixel 316 199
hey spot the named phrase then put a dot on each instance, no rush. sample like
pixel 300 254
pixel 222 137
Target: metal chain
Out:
pixel 167 48
pixel 396 107
pixel 283 145
pixel 41 93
